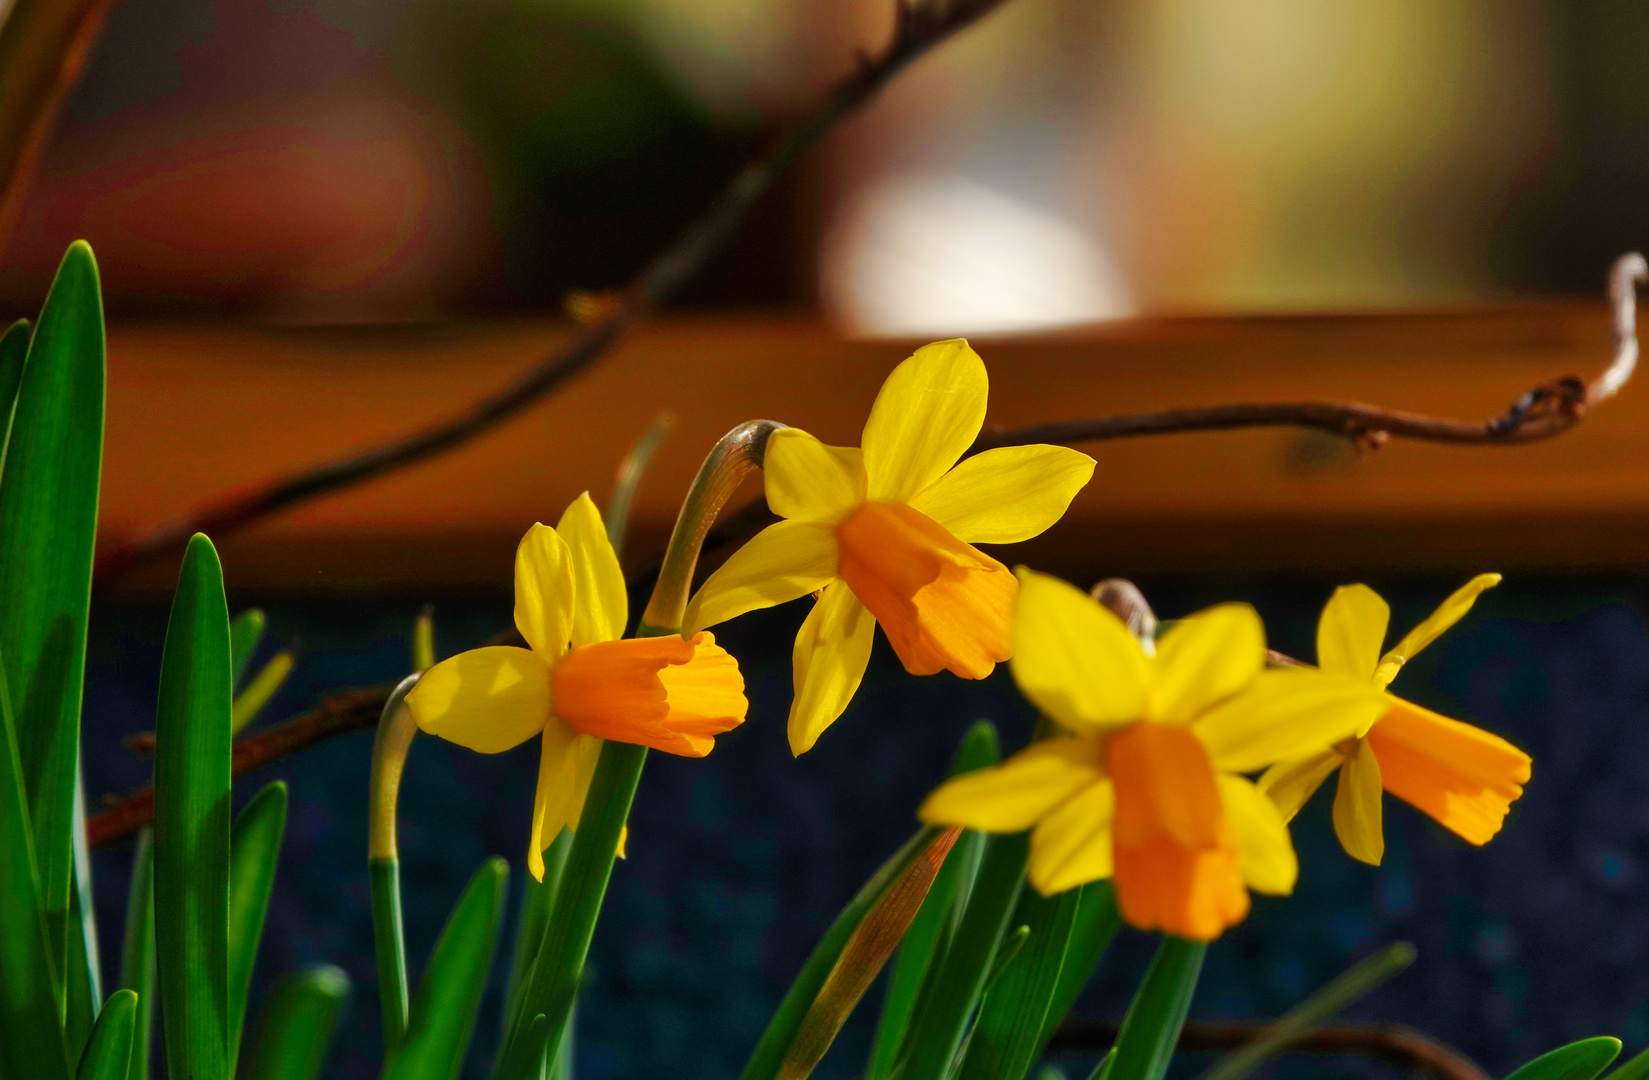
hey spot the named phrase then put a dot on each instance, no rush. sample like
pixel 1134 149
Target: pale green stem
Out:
pixel 736 456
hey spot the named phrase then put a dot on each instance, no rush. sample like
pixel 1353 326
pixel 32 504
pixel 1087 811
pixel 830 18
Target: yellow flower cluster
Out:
pixel 1146 776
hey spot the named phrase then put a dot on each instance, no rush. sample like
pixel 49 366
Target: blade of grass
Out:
pixel 83 995
pixel 766 1059
pixel 137 954
pixel 1092 929
pixel 263 686
pixel 48 523
pixel 14 351
pixel 1316 1009
pixel 31 1031
pixel 254 852
pixel 108 1053
pixel 1582 1060
pixel 442 1017
pixel 937 1029
pixel 244 634
pixel 294 1032
pixel 630 472
pixel 558 969
pixel 1007 1038
pixel 1635 1069
pixel 192 750
pixel 537 901
pixel 1151 1029
pixel 860 961
pixel 929 933
pixel 423 639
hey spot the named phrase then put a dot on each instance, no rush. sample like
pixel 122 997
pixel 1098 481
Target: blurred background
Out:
pixel 323 223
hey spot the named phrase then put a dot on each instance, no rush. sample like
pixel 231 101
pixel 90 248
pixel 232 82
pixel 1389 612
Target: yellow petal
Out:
pixel 1075 660
pixel 487 700
pixel 1021 791
pixel 544 592
pixel 1357 806
pixel 1269 864
pixel 827 664
pixel 783 561
pixel 1285 713
pixel 1006 495
pixel 1205 659
pixel 601 606
pixel 1291 783
pixel 1072 845
pixel 566 761
pixel 928 413
pixel 1447 614
pixel 1351 631
pixel 809 481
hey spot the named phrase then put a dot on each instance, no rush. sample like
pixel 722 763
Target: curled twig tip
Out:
pixel 1624 276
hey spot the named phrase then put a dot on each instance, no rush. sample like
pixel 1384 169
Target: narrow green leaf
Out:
pixel 860 961
pixel 31 1031
pixel 1635 1069
pixel 558 970
pixel 294 1032
pixel 263 686
pixel 937 1029
pixel 254 851
pixel 1102 1071
pixel 1092 929
pixel 48 523
pixel 192 747
pixel 14 350
pixel 137 954
pixel 1151 1029
pixel 930 932
pixel 1012 944
pixel 525 1060
pixel 1316 1009
pixel 244 634
pixel 443 1011
pixel 769 1054
pixel 85 981
pixel 108 1053
pixel 630 472
pixel 537 901
pixel 1007 1038
pixel 1581 1060
pixel 83 995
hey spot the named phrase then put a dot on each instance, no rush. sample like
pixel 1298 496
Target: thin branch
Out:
pixel 1542 413
pixel 1393 1043
pixel 918 27
pixel 350 710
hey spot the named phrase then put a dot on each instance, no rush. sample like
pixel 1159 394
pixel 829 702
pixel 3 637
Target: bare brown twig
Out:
pixel 919 26
pixel 349 710
pixel 1386 1042
pixel 1541 413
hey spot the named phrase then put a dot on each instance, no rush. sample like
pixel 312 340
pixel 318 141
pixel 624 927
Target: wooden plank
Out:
pixel 1273 500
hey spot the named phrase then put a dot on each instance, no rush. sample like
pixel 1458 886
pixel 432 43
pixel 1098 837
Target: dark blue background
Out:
pixel 738 862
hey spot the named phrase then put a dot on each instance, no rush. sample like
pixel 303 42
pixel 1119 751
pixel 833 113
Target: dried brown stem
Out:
pixel 1393 1043
pixel 349 710
pixel 919 26
pixel 1541 413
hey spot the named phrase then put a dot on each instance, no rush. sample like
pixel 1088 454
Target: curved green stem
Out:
pixel 389 755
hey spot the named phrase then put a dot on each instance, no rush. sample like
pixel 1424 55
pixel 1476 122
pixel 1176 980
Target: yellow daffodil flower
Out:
pixel 1145 786
pixel 884 533
pixel 578 683
pixel 1460 775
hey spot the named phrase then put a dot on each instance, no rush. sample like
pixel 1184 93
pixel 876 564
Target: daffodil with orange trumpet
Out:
pixel 578 683
pixel 884 533
pixel 1144 783
pixel 1462 776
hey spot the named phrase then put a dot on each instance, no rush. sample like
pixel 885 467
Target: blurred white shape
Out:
pixel 937 254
